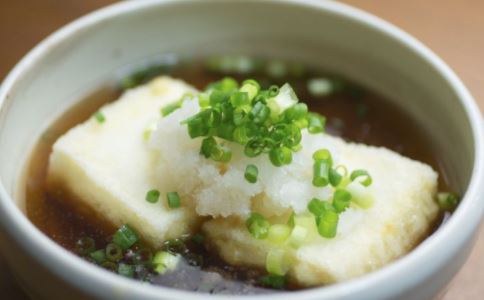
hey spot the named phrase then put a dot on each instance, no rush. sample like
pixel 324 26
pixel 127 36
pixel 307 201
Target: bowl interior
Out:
pixel 80 58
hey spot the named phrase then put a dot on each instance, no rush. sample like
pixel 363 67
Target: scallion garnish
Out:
pixel 99 117
pixel 273 281
pixel 164 261
pixel 328 223
pixel 168 109
pixel 263 121
pixel 99 256
pixel 366 181
pixel 251 173
pixel 125 237
pixel 278 233
pixel 126 270
pixel 277 262
pixel 173 200
pixel 280 156
pixel 447 201
pixel 114 252
pixel 316 123
pixel 198 239
pixel 323 154
pixel 341 200
pixel 152 196
pixel 321 173
pixel 85 245
pixel 258 226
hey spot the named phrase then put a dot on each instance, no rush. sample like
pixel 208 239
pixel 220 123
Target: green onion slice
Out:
pixel 99 117
pixel 125 237
pixel 328 224
pixel 126 270
pixel 152 196
pixel 279 233
pixel 85 245
pixel 321 173
pixel 251 173
pixel 258 226
pixel 164 261
pixel 274 281
pixel 277 262
pixel 114 252
pixel 173 199
pixel 447 201
pixel 341 200
pixel 366 180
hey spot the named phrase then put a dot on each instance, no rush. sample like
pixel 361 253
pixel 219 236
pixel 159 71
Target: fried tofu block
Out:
pixel 108 166
pixel 403 213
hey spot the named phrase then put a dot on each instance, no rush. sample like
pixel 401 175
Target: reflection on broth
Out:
pixel 356 114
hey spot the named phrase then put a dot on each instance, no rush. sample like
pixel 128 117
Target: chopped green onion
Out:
pixel 258 226
pixel 251 87
pixel 260 113
pixel 125 237
pixel 173 200
pixel 273 91
pixel 321 173
pixel 280 156
pixel 274 281
pixel 320 87
pixel 341 200
pixel 323 154
pixel 114 252
pixel 254 147
pixel 328 224
pixel 239 99
pixel 152 196
pixel 198 239
pixel 284 99
pixel 276 69
pixel 316 207
pixel 85 245
pixel 221 153
pixel 277 262
pixel 447 201
pixel 334 177
pixel 126 270
pixel 278 233
pixel 98 256
pixel 241 135
pixel 99 116
pixel 360 195
pixel 207 145
pixel 316 123
pixel 296 112
pixel 251 173
pixel 298 236
pixel 361 173
pixel 165 261
pixel 203 99
pixel 169 108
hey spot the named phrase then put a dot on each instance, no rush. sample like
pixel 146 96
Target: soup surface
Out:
pixel 352 112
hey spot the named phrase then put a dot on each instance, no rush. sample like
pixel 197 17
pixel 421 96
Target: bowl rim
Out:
pixel 99 283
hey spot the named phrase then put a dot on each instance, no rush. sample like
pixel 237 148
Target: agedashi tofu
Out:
pixel 108 165
pixel 402 214
pixel 325 210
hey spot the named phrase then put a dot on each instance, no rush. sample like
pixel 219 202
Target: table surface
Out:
pixel 452 28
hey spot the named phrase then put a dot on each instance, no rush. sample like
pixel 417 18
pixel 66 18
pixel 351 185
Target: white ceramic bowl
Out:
pixel 327 34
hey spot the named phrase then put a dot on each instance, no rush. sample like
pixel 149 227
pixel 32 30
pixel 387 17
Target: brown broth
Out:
pixel 354 113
